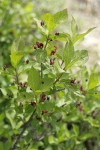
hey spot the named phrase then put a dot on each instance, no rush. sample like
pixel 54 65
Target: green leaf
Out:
pixel 48 105
pixel 1 146
pixel 61 16
pixel 49 20
pixel 85 136
pixel 93 81
pixel 21 44
pixel 48 82
pixel 61 37
pixel 74 26
pixel 15 58
pixel 80 57
pixel 76 130
pixel 44 31
pixel 40 55
pixel 10 117
pixel 52 140
pixel 18 45
pixel 53 20
pixel 93 123
pixel 80 36
pixel 84 77
pixel 14 46
pixel 16 54
pixel 58 68
pixel 34 79
pixel 68 53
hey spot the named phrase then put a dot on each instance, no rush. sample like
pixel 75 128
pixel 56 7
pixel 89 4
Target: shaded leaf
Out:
pixel 79 58
pixel 68 53
pixel 47 83
pixel 34 79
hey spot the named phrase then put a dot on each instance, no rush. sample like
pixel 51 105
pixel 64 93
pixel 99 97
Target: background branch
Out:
pixel 25 125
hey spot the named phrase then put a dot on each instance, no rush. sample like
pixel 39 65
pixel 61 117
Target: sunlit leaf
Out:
pixel 93 81
pixel 80 36
pixel 61 16
pixel 49 20
pixel 16 57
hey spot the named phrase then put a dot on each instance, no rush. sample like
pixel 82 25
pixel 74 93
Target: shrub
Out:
pixel 49 99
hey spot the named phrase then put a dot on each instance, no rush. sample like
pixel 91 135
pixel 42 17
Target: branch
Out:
pixel 25 125
pixel 58 90
pixel 41 71
pixel 58 77
pixel 17 80
pixel 62 62
pixel 44 50
pixel 46 42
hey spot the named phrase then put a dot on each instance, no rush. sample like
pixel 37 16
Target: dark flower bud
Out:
pixel 44 112
pixel 25 85
pixel 41 45
pixel 42 82
pixel 81 88
pixel 57 33
pixel 42 23
pixel 35 46
pixel 86 80
pixel 33 104
pixel 20 84
pixel 53 52
pixel 27 61
pixel 52 61
pixel 42 97
pixel 72 81
pixel 38 118
pixel 38 45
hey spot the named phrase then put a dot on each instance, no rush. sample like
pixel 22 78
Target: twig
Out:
pixel 44 50
pixel 46 42
pixel 17 80
pixel 58 90
pixel 62 62
pixel 41 71
pixel 58 78
pixel 22 132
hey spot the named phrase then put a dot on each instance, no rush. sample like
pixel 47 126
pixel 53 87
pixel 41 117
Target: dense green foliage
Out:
pixel 16 20
pixel 48 99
